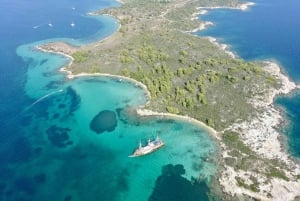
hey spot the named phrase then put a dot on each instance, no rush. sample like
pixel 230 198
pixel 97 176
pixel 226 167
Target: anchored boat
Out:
pixel 149 148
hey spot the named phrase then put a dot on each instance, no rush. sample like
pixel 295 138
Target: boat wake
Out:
pixel 42 98
pixel 35 27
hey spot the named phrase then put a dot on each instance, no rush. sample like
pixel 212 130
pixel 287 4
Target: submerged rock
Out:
pixel 172 186
pixel 105 120
pixel 59 136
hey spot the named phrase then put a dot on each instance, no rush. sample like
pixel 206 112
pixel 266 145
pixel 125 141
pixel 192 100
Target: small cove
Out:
pixel 54 155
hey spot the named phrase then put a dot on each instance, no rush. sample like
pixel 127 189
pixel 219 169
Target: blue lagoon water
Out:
pixel 269 30
pixel 70 139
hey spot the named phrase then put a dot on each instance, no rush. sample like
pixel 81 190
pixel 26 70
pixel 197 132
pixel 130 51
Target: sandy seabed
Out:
pixel 259 133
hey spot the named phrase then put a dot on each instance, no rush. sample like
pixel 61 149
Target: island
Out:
pixel 198 79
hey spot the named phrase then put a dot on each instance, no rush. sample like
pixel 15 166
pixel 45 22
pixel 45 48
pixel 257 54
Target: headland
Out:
pixel 198 79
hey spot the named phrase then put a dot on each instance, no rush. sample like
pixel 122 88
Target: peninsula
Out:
pixel 197 78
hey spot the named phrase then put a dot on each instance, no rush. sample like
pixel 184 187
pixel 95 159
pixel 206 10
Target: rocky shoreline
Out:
pixel 259 133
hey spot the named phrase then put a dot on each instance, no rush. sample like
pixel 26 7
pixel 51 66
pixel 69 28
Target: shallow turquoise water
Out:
pixel 49 150
pixel 91 166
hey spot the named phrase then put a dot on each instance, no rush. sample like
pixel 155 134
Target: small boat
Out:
pixel 72 24
pixel 149 148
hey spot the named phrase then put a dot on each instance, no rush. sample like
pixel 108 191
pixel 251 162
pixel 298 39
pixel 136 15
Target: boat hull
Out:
pixel 151 147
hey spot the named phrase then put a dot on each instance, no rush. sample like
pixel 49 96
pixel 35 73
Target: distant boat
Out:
pixel 72 24
pixel 149 148
pixel 50 24
pixel 73 8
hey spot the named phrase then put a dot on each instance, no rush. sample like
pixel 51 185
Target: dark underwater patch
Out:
pixel 58 136
pixel 122 180
pixel 61 106
pixel 25 184
pixel 95 80
pixel 40 178
pixel 63 103
pixel 75 99
pixel 48 74
pixel 105 120
pixel 56 116
pixel 121 115
pixel 177 126
pixel 171 186
pixel 165 121
pixel 20 150
pixel 68 198
pixel 129 116
pixel 54 85
pixel 43 61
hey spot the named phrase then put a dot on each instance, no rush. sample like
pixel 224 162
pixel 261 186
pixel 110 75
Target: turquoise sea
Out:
pixel 69 140
pixel 269 30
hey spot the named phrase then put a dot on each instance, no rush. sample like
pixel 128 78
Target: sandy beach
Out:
pixel 259 133
pixel 144 112
pixel 141 111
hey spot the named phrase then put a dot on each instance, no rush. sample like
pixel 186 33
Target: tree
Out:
pixel 80 56
pixel 180 72
pixel 125 72
pixel 172 110
pixel 183 53
pixel 201 98
pixel 209 122
pixel 189 103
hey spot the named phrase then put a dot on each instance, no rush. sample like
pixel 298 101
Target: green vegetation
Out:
pixel 232 140
pixel 276 172
pixel 184 74
pixel 172 109
pixel 242 157
pixel 80 57
pixel 253 187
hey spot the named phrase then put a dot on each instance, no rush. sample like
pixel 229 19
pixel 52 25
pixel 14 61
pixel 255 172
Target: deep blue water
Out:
pixel 49 147
pixel 27 21
pixel 269 30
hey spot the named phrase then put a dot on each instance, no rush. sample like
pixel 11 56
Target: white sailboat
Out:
pixel 151 146
pixel 50 24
